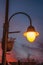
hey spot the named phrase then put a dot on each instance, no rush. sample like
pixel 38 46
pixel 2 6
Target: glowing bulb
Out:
pixel 31 36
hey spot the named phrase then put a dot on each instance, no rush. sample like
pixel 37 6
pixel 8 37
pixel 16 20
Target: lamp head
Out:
pixel 31 34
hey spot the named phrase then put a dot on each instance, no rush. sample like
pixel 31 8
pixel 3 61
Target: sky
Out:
pixel 34 8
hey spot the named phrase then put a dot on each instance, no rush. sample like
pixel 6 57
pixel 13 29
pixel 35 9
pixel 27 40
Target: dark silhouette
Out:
pixel 18 62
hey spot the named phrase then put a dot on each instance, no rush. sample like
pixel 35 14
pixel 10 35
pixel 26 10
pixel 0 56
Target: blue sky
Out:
pixel 34 8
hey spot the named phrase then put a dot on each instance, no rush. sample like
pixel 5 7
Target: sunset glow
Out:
pixel 22 48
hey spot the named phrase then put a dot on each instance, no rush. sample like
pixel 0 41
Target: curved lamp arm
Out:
pixel 21 13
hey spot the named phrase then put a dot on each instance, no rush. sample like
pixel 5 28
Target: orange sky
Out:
pixel 9 56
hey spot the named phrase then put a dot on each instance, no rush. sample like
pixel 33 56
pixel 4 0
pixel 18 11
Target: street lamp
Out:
pixel 30 34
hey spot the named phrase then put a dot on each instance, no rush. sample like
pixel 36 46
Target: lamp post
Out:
pixel 30 34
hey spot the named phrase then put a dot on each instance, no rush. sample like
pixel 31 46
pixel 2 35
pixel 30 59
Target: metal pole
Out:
pixel 5 35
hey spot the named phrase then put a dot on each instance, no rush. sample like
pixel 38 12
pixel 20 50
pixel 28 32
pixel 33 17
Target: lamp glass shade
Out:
pixel 31 35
